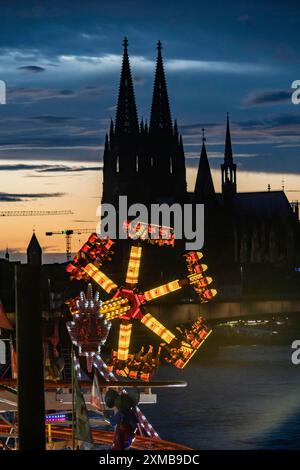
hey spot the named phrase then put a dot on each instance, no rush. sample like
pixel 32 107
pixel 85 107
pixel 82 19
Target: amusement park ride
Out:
pixel 128 303
pixel 92 318
pixel 123 371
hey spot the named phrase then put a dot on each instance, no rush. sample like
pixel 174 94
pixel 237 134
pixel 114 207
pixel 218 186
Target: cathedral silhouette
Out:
pixel 248 236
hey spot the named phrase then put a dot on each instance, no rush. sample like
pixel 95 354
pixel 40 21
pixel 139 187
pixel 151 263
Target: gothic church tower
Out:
pixel 144 163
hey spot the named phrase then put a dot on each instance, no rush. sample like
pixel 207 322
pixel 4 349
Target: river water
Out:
pixel 245 397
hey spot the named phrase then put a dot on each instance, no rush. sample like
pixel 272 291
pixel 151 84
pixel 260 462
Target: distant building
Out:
pixel 34 251
pixel 263 226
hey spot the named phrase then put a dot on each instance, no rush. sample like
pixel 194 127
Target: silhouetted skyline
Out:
pixel 61 64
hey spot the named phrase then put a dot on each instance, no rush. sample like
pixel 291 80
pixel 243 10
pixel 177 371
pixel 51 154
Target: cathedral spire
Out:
pixel 126 117
pixel 160 109
pixel 204 188
pixel 228 148
pixel 111 128
pixel 176 128
pixel 228 168
pixel 181 142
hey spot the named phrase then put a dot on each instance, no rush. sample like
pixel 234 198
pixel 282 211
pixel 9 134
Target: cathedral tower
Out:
pixel 228 168
pixel 146 164
pixel 121 157
pixel 167 159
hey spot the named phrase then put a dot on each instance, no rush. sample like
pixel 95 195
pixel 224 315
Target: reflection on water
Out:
pixel 246 397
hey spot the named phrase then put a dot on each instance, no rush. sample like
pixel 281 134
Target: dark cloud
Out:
pixel 66 169
pixel 187 128
pixel 20 166
pixel 48 168
pixel 259 98
pixel 83 220
pixel 32 68
pixel 270 163
pixel 77 154
pixel 287 123
pixel 47 133
pixel 52 119
pixel 37 94
pixel 283 120
pixel 25 95
pixel 261 163
pixel 19 197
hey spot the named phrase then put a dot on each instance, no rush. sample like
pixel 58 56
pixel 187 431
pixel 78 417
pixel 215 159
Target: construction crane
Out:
pixel 68 234
pixel 33 213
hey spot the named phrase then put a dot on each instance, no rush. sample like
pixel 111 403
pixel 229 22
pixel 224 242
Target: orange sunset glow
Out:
pixel 81 193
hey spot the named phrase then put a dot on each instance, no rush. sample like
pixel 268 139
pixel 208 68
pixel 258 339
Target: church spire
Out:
pixel 160 109
pixel 34 251
pixel 228 168
pixel 126 117
pixel 204 188
pixel 228 148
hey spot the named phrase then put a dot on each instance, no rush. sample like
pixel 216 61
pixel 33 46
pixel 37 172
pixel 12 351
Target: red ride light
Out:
pixel 135 301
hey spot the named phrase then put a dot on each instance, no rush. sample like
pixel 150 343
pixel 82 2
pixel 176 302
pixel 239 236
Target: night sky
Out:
pixel 61 64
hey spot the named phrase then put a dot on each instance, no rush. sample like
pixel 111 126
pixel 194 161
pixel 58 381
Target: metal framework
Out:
pixel 33 213
pixel 128 302
pixel 68 234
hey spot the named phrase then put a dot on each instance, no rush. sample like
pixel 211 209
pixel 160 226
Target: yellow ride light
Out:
pixel 113 304
pixel 100 278
pixel 162 290
pixel 195 350
pixel 134 265
pixel 154 325
pixel 124 341
pixel 117 313
pixel 112 301
pixel 203 281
